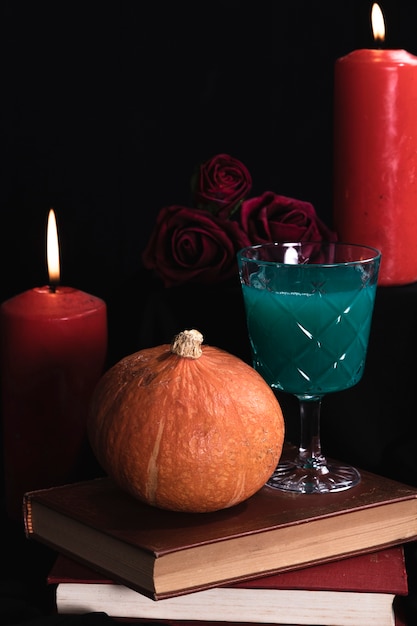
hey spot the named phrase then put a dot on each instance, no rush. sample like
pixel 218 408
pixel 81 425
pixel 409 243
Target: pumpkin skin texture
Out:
pixel 186 433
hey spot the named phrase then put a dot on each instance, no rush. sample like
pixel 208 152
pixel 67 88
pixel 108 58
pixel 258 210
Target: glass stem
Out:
pixel 309 453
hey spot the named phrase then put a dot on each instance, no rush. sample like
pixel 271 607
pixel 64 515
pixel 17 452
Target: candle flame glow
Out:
pixel 52 250
pixel 291 256
pixel 378 23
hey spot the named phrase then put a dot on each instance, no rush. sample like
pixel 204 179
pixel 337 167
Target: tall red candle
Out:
pixel 375 157
pixel 53 351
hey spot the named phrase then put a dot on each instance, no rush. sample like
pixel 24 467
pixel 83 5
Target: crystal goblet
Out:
pixel 308 309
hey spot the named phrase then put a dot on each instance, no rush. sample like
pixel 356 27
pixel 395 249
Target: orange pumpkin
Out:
pixel 186 427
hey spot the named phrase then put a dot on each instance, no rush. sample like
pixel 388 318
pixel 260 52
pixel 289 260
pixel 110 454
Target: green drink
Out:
pixel 312 341
pixel 308 309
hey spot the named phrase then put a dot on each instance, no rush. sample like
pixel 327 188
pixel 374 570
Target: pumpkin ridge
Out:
pixel 152 469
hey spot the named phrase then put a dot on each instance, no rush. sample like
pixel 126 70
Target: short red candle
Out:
pixel 53 351
pixel 375 157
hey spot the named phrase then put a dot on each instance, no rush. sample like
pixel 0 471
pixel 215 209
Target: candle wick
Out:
pixel 52 288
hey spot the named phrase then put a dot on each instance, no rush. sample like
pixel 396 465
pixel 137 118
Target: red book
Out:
pixel 357 591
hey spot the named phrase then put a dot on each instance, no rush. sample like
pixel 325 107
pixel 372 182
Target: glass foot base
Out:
pixel 325 478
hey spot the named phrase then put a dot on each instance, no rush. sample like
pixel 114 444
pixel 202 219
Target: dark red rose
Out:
pixel 220 184
pixel 271 217
pixel 190 245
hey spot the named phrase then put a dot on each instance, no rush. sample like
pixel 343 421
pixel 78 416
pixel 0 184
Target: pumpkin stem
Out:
pixel 188 344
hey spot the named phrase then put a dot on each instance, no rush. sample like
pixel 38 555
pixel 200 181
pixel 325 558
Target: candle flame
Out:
pixel 378 23
pixel 291 256
pixel 53 250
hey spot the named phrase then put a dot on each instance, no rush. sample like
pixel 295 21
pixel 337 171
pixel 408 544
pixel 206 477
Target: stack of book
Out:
pixel 277 558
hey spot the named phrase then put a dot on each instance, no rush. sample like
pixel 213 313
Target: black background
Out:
pixel 106 108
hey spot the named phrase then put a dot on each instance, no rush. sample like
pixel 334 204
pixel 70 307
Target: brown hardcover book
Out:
pixel 358 590
pixel 163 554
